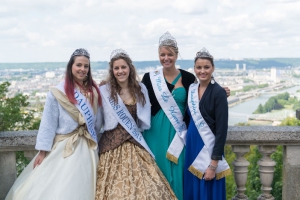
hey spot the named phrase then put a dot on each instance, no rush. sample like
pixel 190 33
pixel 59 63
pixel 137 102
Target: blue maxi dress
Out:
pixel 195 188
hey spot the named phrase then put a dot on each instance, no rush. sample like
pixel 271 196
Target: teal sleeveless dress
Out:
pixel 160 136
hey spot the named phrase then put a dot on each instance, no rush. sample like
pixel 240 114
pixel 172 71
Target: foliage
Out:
pixel 230 182
pixel 242 124
pixel 277 156
pixel 253 185
pixel 277 102
pixel 14 117
pixel 250 87
pixel 247 80
pixel 290 121
pixel 21 162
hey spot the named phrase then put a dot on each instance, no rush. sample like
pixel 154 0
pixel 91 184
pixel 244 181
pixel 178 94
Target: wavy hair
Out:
pixel 70 83
pixel 133 84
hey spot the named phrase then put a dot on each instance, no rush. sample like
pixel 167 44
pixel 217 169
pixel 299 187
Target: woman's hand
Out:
pixel 39 159
pixel 103 82
pixel 227 90
pixel 209 174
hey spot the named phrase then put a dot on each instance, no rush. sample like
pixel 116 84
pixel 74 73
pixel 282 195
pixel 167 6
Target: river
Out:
pixel 249 106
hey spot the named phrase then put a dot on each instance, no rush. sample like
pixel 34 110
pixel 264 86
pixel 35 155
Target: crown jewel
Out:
pixel 167 40
pixel 204 53
pixel 81 52
pixel 118 52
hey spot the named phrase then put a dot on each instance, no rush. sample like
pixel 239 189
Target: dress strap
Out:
pixel 176 79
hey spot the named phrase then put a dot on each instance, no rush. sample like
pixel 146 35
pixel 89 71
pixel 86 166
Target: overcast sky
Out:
pixel 50 30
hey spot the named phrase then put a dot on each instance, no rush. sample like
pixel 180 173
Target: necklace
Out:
pixel 83 89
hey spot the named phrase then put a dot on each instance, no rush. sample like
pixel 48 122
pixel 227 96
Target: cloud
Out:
pixel 50 30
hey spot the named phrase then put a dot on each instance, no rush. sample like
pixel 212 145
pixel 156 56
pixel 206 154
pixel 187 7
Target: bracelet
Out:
pixel 210 166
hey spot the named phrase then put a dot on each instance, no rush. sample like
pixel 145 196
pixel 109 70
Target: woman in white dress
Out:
pixel 65 167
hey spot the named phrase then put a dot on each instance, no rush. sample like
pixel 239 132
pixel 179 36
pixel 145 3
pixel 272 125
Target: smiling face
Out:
pixel 167 57
pixel 203 69
pixel 121 71
pixel 80 68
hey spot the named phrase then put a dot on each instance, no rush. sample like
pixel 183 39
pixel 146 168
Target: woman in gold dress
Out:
pixel 127 169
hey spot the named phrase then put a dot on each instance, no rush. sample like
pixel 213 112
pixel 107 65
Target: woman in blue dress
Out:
pixel 205 166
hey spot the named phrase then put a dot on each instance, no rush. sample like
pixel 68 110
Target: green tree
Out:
pixel 259 110
pixel 14 117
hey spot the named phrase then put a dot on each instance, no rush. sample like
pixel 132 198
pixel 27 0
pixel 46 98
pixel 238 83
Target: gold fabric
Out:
pixel 81 130
pixel 129 172
pixel 199 174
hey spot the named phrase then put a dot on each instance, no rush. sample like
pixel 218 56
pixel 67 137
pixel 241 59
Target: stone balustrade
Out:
pixel 239 137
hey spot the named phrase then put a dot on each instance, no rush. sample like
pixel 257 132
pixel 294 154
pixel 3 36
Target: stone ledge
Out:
pixel 17 140
pixel 237 135
pixel 263 135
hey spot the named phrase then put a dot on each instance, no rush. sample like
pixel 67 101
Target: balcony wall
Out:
pixel 240 138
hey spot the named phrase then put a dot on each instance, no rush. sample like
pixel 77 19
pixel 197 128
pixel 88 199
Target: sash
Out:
pixel 172 111
pixel 203 159
pixel 84 108
pixel 123 116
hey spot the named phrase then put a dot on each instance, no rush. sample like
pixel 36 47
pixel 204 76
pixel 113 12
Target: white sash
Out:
pixel 203 159
pixel 172 111
pixel 123 116
pixel 85 108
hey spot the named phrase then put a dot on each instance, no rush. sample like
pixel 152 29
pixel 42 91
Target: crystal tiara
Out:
pixel 204 53
pixel 167 40
pixel 118 52
pixel 81 52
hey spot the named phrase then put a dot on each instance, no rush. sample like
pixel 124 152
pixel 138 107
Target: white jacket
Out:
pixel 143 112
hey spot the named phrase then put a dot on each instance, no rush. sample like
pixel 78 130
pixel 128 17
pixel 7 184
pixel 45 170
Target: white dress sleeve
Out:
pixel 49 124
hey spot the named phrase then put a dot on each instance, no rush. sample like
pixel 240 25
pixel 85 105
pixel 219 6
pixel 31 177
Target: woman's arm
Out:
pixel 221 126
pixel 47 129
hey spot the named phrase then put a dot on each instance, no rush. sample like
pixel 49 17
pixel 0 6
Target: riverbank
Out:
pixel 240 111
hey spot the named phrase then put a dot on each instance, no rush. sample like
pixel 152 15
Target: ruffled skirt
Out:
pixel 129 172
pixel 59 178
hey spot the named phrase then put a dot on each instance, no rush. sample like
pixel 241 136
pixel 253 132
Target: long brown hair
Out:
pixel 133 85
pixel 70 85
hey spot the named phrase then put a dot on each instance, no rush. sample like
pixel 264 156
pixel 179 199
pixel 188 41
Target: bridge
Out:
pixel 271 116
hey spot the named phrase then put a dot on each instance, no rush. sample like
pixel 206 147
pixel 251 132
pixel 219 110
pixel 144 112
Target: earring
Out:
pixel 212 81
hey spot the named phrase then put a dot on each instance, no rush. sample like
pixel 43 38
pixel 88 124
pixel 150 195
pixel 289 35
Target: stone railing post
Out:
pixel 266 171
pixel 8 173
pixel 291 172
pixel 240 170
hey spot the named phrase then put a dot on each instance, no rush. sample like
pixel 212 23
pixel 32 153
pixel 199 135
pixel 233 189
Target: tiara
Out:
pixel 81 52
pixel 118 52
pixel 203 53
pixel 167 40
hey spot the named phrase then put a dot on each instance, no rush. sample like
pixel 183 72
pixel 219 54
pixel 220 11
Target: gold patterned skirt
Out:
pixel 129 172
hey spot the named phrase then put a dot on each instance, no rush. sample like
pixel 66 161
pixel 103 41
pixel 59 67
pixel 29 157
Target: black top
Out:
pixel 186 79
pixel 214 109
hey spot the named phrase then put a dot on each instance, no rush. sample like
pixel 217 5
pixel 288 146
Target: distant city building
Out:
pixel 50 74
pixel 274 74
pixel 244 67
pixel 237 67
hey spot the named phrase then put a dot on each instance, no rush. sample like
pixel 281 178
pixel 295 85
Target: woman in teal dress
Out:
pixel 162 132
